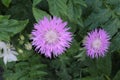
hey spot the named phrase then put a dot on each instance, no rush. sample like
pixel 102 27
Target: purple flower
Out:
pixel 51 36
pixel 97 43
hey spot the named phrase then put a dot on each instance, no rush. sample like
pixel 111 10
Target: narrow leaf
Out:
pixel 6 2
pixel 35 2
pixel 39 14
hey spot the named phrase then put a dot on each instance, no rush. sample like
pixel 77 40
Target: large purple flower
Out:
pixel 51 36
pixel 97 43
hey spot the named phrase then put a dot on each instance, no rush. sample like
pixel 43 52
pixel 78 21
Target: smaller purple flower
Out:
pixel 51 36
pixel 97 43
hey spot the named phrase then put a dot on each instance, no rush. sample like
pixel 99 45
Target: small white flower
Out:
pixel 2 48
pixel 7 52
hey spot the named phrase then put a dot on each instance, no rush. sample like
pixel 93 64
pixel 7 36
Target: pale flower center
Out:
pixel 51 36
pixel 96 43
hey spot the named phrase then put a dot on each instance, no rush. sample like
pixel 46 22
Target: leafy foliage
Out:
pixel 117 77
pixel 23 70
pixel 38 14
pixel 6 2
pixel 17 18
pixel 57 7
pixel 9 28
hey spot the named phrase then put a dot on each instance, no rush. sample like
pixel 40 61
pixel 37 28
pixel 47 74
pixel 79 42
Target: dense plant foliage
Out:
pixel 17 18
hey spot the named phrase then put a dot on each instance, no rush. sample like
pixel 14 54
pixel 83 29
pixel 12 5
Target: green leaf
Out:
pixel 112 26
pixel 113 2
pixel 82 55
pixel 25 70
pixel 74 47
pixel 88 78
pixel 99 18
pixel 38 66
pixel 57 7
pixel 115 43
pixel 81 2
pixel 35 2
pixel 6 2
pixel 21 64
pixel 74 12
pixel 24 78
pixel 117 10
pixel 4 36
pixel 94 78
pixel 4 17
pixel 117 76
pixel 37 73
pixel 14 76
pixel 104 65
pixel 99 66
pixel 16 26
pixel 9 28
pixel 39 14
